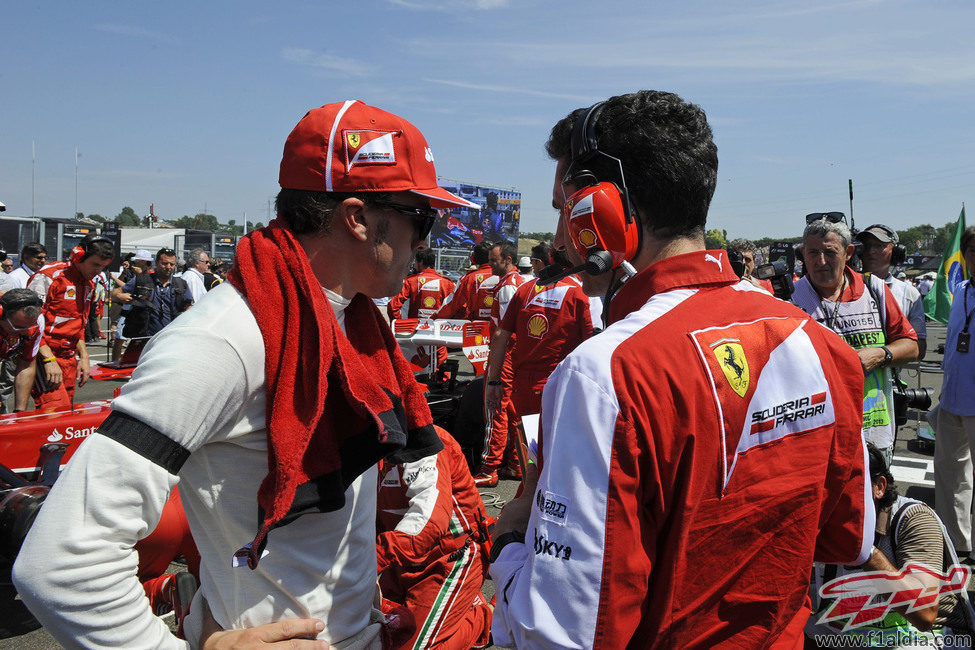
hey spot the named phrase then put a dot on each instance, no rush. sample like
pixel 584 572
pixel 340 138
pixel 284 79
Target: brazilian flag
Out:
pixel 937 303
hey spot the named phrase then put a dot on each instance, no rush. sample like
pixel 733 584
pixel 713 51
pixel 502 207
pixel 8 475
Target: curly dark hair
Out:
pixel 668 155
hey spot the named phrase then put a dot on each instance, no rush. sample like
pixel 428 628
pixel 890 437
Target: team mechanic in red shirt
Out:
pixel 422 295
pixel 699 453
pixel 540 327
pixel 496 443
pixel 473 296
pixel 423 292
pixel 68 290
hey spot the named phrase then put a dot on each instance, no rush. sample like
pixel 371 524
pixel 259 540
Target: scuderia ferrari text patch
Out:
pixel 767 382
pixel 366 147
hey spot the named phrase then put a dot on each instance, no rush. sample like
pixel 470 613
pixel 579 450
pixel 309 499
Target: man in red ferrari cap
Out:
pixel 276 454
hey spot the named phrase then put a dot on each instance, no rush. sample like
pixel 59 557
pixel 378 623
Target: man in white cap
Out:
pixel 276 445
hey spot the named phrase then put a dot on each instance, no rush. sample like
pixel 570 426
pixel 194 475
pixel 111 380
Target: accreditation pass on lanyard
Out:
pixel 964 338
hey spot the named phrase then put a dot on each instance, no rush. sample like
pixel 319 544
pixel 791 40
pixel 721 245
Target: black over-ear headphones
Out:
pixel 899 252
pixel 80 252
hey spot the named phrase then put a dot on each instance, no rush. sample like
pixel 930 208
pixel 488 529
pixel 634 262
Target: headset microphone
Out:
pixel 597 263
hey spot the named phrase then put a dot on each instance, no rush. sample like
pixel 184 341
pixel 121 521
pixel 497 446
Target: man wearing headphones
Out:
pixel 68 289
pixel 701 451
pixel 21 324
pixel 881 250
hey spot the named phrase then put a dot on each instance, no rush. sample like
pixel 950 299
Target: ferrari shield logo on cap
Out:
pixel 369 148
pixel 731 358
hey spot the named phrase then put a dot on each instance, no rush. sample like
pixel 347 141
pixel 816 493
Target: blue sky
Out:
pixel 187 105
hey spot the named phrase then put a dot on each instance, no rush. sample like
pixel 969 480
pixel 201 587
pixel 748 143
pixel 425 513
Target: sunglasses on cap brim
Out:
pixel 832 217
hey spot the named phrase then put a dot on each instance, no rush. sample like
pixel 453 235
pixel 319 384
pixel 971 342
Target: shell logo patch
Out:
pixel 488 301
pixel 587 238
pixel 429 301
pixel 731 358
pixel 71 293
pixel 537 326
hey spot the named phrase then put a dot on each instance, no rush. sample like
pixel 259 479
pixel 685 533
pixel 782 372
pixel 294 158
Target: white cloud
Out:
pixel 509 89
pixel 137 32
pixel 325 61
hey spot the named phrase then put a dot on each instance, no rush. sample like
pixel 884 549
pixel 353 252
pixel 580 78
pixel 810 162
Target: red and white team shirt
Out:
pixel 473 296
pixel 422 295
pixel 548 323
pixel 503 294
pixel 699 455
pixel 24 346
pixel 66 304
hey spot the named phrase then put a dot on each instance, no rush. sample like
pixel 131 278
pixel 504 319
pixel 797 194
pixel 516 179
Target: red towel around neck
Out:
pixel 336 403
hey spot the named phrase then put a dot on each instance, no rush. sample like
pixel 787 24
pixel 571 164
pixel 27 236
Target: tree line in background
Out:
pixel 201 221
pixel 922 240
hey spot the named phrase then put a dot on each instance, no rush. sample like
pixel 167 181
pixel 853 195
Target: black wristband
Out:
pixel 888 356
pixel 494 382
pixel 503 540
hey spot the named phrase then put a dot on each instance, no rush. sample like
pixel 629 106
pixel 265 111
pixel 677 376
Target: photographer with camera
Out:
pixel 881 250
pixel 746 249
pixel 955 428
pixel 155 297
pixel 862 310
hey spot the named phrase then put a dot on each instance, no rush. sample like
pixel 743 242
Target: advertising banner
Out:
pixel 497 220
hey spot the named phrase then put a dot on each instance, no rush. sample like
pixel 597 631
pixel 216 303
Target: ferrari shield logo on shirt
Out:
pixel 369 148
pixel 767 382
pixel 537 326
pixel 731 356
pixel 421 280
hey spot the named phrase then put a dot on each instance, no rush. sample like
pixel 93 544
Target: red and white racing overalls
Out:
pixel 422 296
pixel 66 307
pixel 699 454
pixel 430 558
pixel 473 297
pixel 547 324
pixel 496 438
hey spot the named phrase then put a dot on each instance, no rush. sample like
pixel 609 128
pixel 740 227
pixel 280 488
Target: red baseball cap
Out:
pixel 353 147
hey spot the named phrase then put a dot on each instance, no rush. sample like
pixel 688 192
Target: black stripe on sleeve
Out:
pixel 145 441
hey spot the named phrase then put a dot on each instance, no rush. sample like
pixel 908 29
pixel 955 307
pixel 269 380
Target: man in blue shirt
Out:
pixel 955 428
pixel 156 297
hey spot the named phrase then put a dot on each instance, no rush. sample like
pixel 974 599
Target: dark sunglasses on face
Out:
pixel 832 217
pixel 423 218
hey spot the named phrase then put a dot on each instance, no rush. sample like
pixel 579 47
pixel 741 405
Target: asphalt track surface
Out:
pixel 911 468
